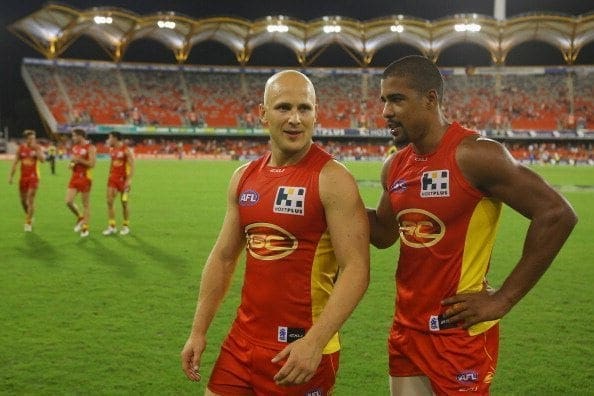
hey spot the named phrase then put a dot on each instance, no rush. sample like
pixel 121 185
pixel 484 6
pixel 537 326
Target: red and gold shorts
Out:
pixel 452 362
pixel 243 368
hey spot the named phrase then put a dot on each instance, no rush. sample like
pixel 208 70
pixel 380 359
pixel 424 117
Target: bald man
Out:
pixel 299 215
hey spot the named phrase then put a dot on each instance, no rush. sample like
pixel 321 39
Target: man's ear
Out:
pixel 431 99
pixel 262 111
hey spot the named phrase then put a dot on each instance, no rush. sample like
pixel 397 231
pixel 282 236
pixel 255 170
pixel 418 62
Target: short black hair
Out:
pixel 79 132
pixel 116 134
pixel 422 74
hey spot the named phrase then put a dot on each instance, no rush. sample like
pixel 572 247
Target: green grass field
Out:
pixel 109 315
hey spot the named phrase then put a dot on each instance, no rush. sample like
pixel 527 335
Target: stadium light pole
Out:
pixel 499 10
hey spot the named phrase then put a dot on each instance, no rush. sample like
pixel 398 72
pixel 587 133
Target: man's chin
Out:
pixel 401 140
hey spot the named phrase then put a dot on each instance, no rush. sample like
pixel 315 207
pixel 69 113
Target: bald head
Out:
pixel 288 80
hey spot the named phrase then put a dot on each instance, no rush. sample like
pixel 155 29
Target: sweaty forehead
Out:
pixel 395 85
pixel 289 87
pixel 293 94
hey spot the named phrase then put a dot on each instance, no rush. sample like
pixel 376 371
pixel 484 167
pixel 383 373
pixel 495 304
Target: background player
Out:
pixel 82 160
pixel 307 260
pixel 51 157
pixel 120 177
pixel 28 154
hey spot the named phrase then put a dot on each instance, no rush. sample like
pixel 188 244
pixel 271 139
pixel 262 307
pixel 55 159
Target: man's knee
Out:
pixel 208 392
pixel 403 386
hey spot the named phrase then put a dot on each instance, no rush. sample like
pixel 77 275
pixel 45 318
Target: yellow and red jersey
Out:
pixel 82 151
pixel 29 165
pixel 120 168
pixel 290 263
pixel 447 230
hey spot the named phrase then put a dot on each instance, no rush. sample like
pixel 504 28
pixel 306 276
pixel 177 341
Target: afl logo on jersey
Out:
pixel 267 241
pixel 419 228
pixel 398 186
pixel 249 198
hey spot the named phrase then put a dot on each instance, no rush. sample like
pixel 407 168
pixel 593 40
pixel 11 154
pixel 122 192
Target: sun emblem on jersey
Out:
pixel 419 228
pixel 267 241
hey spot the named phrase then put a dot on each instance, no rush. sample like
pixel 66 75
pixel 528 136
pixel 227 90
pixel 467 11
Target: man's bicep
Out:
pixel 230 240
pixel 524 191
pixel 384 210
pixel 346 217
pixel 492 169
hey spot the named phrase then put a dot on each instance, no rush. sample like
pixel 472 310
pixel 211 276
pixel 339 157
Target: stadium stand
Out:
pixel 542 114
pixel 520 99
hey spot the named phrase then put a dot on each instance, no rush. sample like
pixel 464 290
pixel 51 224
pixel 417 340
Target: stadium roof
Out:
pixel 17 111
pixel 53 28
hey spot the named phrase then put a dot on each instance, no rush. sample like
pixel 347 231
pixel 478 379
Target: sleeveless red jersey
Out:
pixel 119 162
pixel 81 150
pixel 28 158
pixel 290 263
pixel 447 230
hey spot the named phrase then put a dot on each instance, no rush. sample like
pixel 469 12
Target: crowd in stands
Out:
pixel 243 148
pixel 553 153
pixel 521 100
pixel 79 95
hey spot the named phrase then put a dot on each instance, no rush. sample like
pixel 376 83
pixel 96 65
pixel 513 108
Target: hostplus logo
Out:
pixel 290 200
pixel 435 184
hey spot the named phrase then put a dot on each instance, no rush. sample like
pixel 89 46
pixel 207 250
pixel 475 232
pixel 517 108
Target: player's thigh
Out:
pixel 410 386
pixel 70 194
pixel 31 194
pixel 85 197
pixel 23 194
pixel 111 193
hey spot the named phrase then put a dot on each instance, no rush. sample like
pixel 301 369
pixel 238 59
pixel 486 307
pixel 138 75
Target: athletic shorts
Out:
pixel 29 183
pixel 454 363
pixel 243 368
pixel 118 183
pixel 80 183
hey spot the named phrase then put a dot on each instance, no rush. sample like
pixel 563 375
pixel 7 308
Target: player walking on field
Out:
pixel 120 177
pixel 28 154
pixel 298 214
pixel 442 196
pixel 82 160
